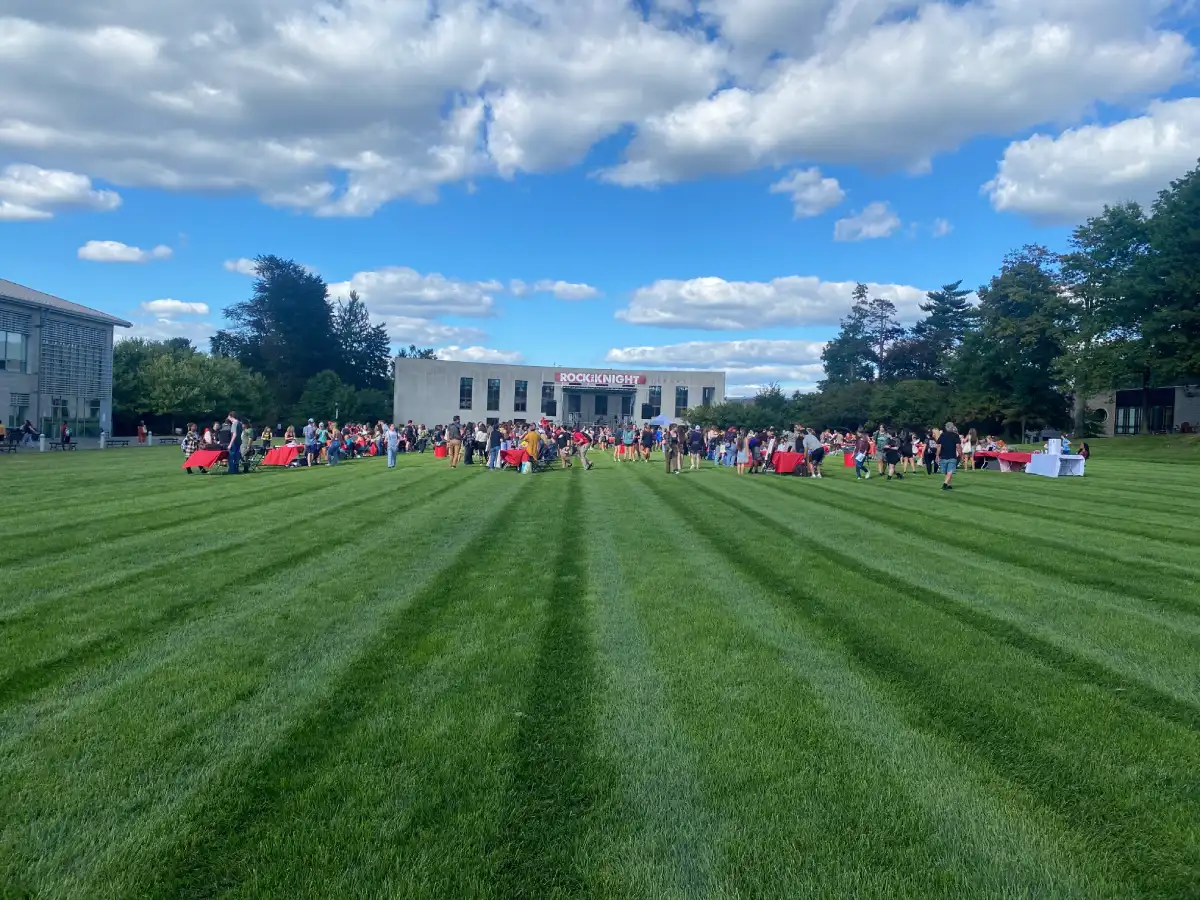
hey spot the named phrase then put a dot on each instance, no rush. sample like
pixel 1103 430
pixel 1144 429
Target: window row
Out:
pixel 14 349
pixel 549 405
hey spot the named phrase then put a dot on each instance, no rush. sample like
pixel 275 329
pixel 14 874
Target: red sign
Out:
pixel 599 379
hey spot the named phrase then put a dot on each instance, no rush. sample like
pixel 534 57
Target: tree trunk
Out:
pixel 1024 430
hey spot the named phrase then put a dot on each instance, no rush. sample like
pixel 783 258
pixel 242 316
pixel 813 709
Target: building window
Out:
pixel 12 351
pixel 492 420
pixel 18 410
pixel 493 397
pixel 602 404
pixel 1129 420
pixel 708 395
pixel 574 403
pixel 655 401
pixel 549 404
pixel 465 387
pixel 627 406
pixel 681 395
pixel 520 396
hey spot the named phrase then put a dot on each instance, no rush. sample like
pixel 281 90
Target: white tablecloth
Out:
pixel 1055 466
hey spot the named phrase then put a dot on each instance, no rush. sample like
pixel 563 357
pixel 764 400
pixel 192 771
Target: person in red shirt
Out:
pixel 582 446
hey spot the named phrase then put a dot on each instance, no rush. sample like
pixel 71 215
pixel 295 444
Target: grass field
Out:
pixel 356 683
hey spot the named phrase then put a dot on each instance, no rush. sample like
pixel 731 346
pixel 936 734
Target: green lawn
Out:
pixel 355 683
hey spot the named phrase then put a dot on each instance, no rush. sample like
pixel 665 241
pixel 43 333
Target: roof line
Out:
pixel 18 293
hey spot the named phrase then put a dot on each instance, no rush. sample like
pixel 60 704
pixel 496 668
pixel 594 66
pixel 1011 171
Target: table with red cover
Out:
pixel 204 459
pixel 784 463
pixel 515 457
pixel 1006 458
pixel 281 456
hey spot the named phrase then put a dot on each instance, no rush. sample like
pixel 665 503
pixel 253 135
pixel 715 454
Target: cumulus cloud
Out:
pixel 401 291
pixel 719 305
pixel 405 330
pixel 563 290
pixel 941 228
pixel 1065 179
pixel 749 363
pixel 877 220
pixel 480 355
pixel 811 193
pixel 337 108
pixel 116 252
pixel 242 266
pixel 929 81
pixel 170 307
pixel 28 193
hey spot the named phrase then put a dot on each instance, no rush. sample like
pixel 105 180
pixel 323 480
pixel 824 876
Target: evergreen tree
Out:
pixel 847 357
pixel 1170 323
pixel 936 338
pixel 883 331
pixel 285 329
pixel 364 352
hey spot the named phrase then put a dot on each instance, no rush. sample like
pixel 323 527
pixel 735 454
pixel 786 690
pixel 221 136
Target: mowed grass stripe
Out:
pixel 983 838
pixel 1117 774
pixel 666 847
pixel 125 559
pixel 831 818
pixel 203 703
pixel 563 796
pixel 1124 687
pixel 61 644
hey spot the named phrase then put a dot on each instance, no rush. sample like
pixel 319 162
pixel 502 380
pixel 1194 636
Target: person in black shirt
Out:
pixel 949 449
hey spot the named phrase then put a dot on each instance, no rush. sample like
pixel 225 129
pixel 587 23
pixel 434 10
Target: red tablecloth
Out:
pixel 785 463
pixel 1009 456
pixel 515 457
pixel 281 456
pixel 204 459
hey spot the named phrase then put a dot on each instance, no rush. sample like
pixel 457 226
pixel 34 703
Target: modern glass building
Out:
pixel 55 362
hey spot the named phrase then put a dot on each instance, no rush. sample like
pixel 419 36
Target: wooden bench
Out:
pixel 166 441
pixel 116 442
pixel 11 442
pixel 60 445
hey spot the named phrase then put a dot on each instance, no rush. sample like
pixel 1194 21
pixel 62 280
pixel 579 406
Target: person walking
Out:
pixel 235 444
pixel 312 447
pixel 949 450
pixel 454 442
pixel 334 452
pixel 582 444
pixel 862 453
pixel 930 455
pixel 393 445
pixel 695 444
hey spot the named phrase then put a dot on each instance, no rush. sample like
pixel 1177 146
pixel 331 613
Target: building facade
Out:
pixel 432 392
pixel 55 362
pixel 1171 409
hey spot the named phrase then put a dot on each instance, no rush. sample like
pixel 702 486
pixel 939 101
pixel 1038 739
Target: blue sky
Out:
pixel 656 177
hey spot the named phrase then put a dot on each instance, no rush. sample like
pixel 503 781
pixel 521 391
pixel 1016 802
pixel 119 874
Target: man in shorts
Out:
pixel 562 440
pixel 312 449
pixel 949 450
pixel 814 450
pixel 582 444
pixel 454 442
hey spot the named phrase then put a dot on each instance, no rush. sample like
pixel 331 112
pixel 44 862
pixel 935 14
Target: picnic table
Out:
pixel 116 442
pixel 62 445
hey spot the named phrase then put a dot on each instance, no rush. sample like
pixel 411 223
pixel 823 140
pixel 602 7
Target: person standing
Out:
pixel 695 445
pixel 949 450
pixel 454 442
pixel 141 432
pixel 235 444
pixel 495 439
pixel 393 445
pixel 266 438
pixel 930 454
pixel 334 452
pixel 814 451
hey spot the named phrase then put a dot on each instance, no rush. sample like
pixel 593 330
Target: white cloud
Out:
pixel 28 193
pixel 941 227
pixel 811 193
pixel 116 252
pixel 405 330
pixel 563 290
pixel 338 108
pixel 877 220
pixel 717 304
pixel 164 328
pixel 750 363
pixel 401 291
pixel 873 88
pixel 170 308
pixel 242 266
pixel 480 355
pixel 1065 179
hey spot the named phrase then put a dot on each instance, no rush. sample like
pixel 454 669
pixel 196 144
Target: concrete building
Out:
pixel 432 392
pixel 55 362
pixel 1171 408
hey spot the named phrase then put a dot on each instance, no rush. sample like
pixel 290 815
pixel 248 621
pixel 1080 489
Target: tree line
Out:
pixel 1119 309
pixel 288 353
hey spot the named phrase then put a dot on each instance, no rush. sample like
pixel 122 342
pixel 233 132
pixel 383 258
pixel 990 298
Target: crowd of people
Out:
pixel 891 454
